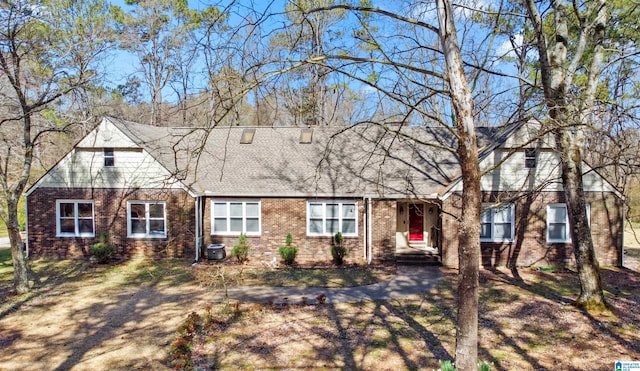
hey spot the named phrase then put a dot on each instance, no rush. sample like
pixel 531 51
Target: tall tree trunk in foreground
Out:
pixel 557 73
pixel 469 234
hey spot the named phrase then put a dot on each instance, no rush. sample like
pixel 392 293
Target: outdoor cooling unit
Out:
pixel 216 251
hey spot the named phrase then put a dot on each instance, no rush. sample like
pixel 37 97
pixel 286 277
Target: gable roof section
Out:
pixel 358 161
pixel 78 168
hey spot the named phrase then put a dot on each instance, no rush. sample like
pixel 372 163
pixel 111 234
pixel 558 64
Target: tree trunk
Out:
pixel 468 261
pixel 557 75
pixel 469 234
pixel 591 295
pixel 20 274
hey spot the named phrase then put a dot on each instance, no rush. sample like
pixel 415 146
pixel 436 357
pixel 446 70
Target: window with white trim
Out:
pixel 146 219
pixel 530 158
pixel 497 223
pixel 234 217
pixel 74 218
pixel 109 157
pixel 326 218
pixel 558 222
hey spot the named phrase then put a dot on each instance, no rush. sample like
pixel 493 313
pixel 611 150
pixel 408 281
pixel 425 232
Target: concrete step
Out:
pixel 424 258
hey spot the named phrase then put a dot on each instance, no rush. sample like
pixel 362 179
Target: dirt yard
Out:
pixel 125 317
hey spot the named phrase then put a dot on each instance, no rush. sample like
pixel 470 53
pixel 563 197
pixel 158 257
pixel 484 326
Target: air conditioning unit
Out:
pixel 216 251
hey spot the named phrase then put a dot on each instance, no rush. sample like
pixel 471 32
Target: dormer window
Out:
pixel 306 134
pixel 109 157
pixel 530 158
pixel 247 136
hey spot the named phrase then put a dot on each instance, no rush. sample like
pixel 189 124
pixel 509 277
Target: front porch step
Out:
pixel 418 258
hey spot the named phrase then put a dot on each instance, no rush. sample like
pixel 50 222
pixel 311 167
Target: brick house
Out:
pixel 393 191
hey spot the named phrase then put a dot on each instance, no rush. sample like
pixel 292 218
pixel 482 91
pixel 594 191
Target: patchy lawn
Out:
pixel 310 275
pixel 527 322
pixel 126 316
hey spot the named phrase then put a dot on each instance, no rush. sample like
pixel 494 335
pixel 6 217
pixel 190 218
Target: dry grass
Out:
pixel 125 316
pixel 310 274
pixel 527 322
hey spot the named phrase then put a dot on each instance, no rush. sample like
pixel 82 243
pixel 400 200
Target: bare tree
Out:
pixel 47 53
pixel 469 234
pixel 569 115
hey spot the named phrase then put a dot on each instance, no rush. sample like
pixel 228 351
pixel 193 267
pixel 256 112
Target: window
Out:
pixel 235 217
pixel 558 222
pixel 331 217
pixel 530 155
pixel 74 218
pixel 247 136
pixel 109 157
pixel 306 135
pixel 497 223
pixel 146 219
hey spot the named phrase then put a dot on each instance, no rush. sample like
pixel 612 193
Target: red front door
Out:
pixel 416 222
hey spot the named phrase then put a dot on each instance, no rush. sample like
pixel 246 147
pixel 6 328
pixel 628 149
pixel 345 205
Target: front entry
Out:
pixel 416 222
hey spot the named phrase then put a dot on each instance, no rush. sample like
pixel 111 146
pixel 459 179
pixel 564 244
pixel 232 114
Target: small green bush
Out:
pixel 241 250
pixel 338 251
pixel 103 250
pixel 288 252
pixel 447 366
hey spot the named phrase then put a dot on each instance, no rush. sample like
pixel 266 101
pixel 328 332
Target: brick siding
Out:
pixel 383 228
pixel 110 216
pixel 279 217
pixel 530 247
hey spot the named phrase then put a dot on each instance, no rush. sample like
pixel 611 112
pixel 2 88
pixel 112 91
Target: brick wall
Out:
pixel 530 247
pixel 383 231
pixel 110 215
pixel 279 217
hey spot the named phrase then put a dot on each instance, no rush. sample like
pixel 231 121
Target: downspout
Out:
pixel 26 226
pixel 198 241
pixel 369 235
pixel 624 216
pixel 364 233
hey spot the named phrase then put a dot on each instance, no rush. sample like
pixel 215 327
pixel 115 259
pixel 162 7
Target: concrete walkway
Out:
pixel 408 280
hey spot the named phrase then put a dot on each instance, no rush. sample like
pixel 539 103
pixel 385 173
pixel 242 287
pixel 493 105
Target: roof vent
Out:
pixel 247 136
pixel 306 135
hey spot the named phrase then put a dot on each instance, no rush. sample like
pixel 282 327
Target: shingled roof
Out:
pixel 357 161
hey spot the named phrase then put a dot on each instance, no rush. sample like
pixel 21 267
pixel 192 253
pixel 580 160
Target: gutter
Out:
pixel 369 237
pixel 198 220
pixel 26 227
pixel 624 217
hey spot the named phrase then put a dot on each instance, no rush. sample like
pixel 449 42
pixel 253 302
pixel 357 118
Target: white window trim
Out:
pixel 76 218
pixel 567 226
pixel 341 203
pixel 147 218
pixel 531 154
pixel 491 208
pixel 112 157
pixel 228 203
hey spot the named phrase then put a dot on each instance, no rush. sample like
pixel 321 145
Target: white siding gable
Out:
pixel 84 166
pixel 513 175
pixel 106 135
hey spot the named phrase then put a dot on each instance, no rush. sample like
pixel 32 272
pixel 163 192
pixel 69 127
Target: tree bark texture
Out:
pixel 466 357
pixel 20 276
pixel 557 75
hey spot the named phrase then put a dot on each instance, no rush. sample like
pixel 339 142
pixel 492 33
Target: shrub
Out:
pixel 447 366
pixel 103 250
pixel 241 250
pixel 180 350
pixel 338 250
pixel 288 252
